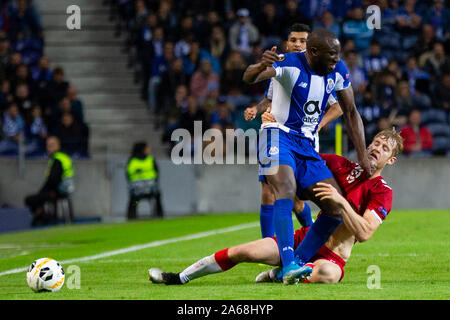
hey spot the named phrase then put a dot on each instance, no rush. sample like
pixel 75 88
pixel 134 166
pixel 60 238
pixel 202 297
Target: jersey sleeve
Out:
pixel 332 99
pixel 380 200
pixel 333 161
pixel 269 90
pixel 342 76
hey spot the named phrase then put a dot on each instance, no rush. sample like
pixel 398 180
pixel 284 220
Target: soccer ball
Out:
pixel 45 274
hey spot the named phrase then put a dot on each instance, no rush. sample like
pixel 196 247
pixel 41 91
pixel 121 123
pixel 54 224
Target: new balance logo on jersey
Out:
pixel 303 84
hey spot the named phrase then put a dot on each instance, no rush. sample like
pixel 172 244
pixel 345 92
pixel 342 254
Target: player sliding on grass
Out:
pixel 303 82
pixel 296 42
pixel 367 202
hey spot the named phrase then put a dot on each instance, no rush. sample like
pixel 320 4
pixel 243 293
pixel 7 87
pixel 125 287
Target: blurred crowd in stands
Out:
pixel 189 56
pixel 35 100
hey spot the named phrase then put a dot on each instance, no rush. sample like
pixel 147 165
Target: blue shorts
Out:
pixel 277 147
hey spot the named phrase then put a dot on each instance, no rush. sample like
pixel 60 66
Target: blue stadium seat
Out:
pixel 433 116
pixel 439 129
pixel 441 144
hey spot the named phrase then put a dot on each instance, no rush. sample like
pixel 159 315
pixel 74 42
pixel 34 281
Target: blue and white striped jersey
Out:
pixel 300 95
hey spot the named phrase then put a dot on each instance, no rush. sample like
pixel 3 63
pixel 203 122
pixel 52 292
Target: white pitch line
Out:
pixel 146 245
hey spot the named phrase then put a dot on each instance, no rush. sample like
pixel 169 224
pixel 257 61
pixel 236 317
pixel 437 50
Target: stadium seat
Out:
pixel 439 129
pixel 433 116
pixel 441 145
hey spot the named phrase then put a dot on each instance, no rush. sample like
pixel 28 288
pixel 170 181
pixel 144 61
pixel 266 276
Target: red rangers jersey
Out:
pixel 362 193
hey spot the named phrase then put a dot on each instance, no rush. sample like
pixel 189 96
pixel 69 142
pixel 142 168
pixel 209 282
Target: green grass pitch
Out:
pixel 411 249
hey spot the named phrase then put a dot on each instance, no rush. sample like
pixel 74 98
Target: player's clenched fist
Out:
pixel 269 57
pixel 267 116
pixel 327 191
pixel 250 113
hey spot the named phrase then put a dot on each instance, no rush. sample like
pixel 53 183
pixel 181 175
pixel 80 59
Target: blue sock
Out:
pixel 304 217
pixel 284 228
pixel 266 220
pixel 316 237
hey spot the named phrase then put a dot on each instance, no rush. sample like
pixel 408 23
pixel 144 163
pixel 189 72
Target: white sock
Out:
pixel 202 267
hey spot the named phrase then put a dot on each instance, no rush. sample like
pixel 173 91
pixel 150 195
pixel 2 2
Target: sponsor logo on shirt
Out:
pixel 382 210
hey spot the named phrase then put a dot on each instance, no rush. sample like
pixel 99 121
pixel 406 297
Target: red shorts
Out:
pixel 323 253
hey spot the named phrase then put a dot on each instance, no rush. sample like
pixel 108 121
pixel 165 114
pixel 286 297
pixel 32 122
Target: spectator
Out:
pixel 159 65
pixel 374 62
pixel 358 75
pixel 56 88
pixel 327 21
pixel 36 132
pixel 218 45
pixel 292 14
pixel 439 17
pixel 426 40
pixel 59 182
pixel 5 53
pixel 23 18
pixel 177 107
pixel 441 96
pixel 204 29
pixel 243 33
pixel 356 29
pixel 417 140
pixel 221 118
pixel 385 92
pixel 268 25
pixel 412 72
pixel 369 110
pixel 435 60
pixel 42 75
pixel 194 113
pixel 408 23
pixel 142 176
pixel 404 103
pixel 233 71
pixel 12 129
pixel 23 99
pixel 70 133
pixel 202 78
pixel 6 96
pixel 166 17
pixel 170 80
pixel 76 106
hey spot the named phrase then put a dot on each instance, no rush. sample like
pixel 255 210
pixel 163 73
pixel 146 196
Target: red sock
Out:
pixel 222 259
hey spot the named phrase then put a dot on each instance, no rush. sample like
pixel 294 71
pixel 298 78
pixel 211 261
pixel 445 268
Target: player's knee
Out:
pixel 299 205
pixel 267 196
pixel 326 273
pixel 239 254
pixel 285 190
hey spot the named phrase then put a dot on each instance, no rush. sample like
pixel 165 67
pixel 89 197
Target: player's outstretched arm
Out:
pixel 332 114
pixel 262 70
pixel 355 127
pixel 362 227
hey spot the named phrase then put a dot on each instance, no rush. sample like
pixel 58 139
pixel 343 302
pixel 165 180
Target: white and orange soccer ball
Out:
pixel 45 274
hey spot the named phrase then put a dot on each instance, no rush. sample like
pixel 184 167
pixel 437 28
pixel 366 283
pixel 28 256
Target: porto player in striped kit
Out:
pixel 366 203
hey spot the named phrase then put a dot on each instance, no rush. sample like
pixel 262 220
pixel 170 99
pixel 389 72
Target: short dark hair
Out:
pixel 299 27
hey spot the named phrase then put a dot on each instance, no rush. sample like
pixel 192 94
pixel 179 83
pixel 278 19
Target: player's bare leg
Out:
pixel 325 271
pixel 259 251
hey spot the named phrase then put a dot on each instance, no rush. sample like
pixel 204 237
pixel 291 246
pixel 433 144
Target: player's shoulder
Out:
pixel 335 161
pixel 289 60
pixel 380 185
pixel 341 68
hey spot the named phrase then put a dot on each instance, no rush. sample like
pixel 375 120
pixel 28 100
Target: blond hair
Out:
pixel 392 134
